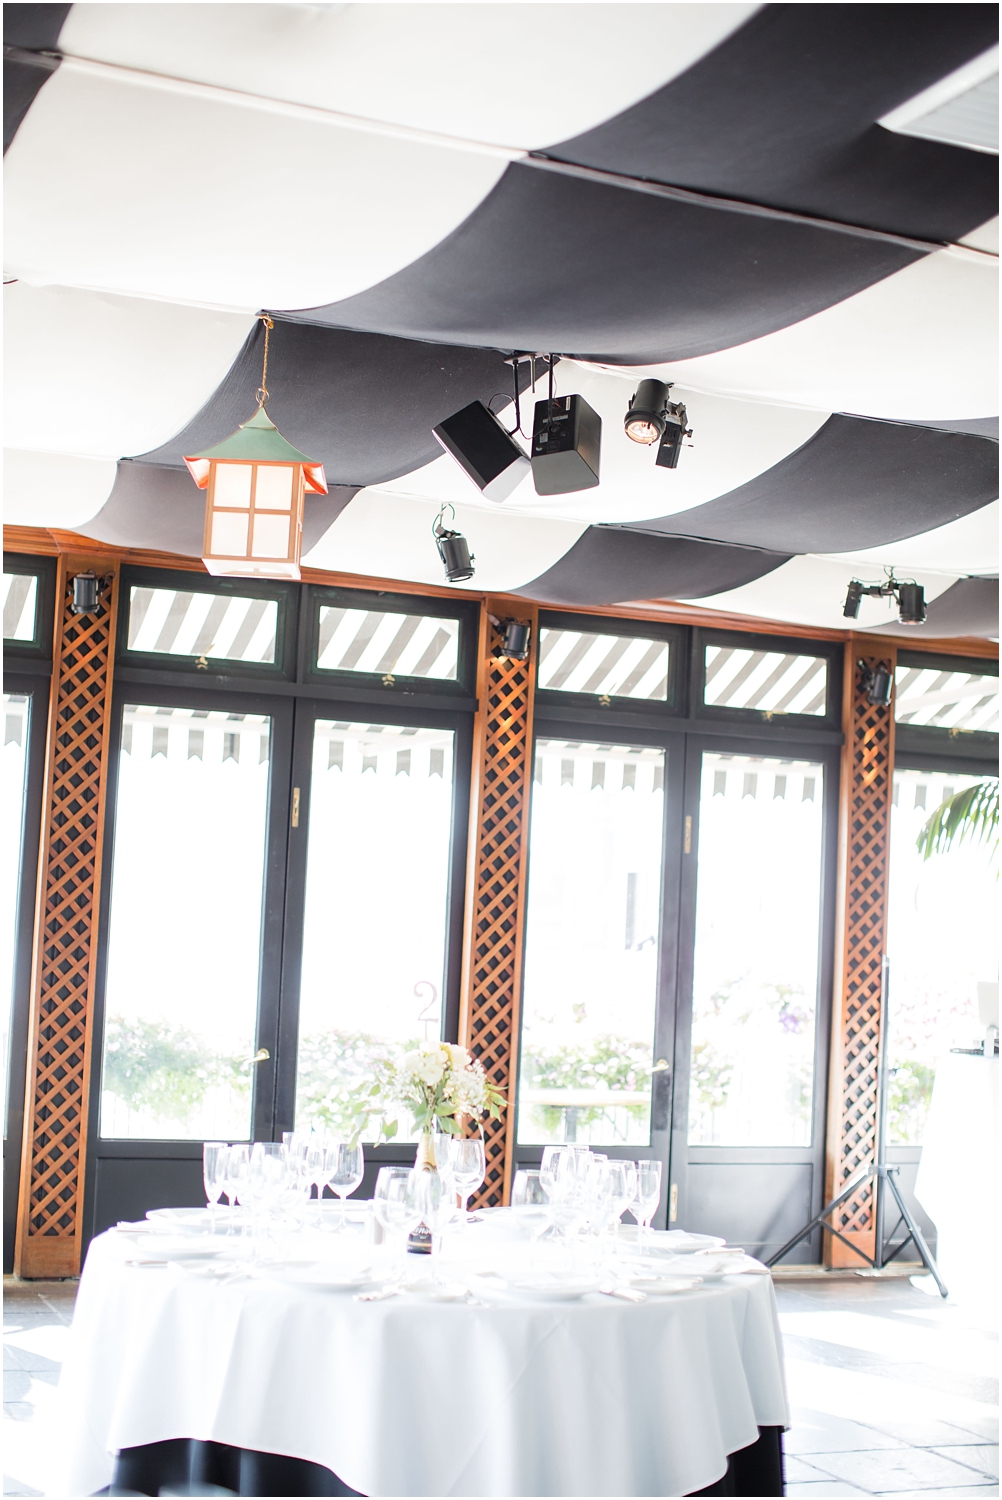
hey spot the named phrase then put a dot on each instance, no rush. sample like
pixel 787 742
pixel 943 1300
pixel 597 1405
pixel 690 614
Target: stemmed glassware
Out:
pixel 530 1198
pixel 646 1198
pixel 389 1201
pixel 214 1176
pixel 344 1168
pixel 623 1176
pixel 316 1163
pixel 428 1198
pixel 236 1186
pixel 465 1167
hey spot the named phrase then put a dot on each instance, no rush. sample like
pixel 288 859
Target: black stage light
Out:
pixel 86 589
pixel 879 684
pixel 453 549
pixel 911 603
pixel 483 450
pixel 671 439
pixel 566 445
pixel 515 640
pixel 853 598
pixel 645 418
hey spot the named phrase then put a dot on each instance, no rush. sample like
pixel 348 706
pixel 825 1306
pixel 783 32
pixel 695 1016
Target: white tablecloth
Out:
pixel 408 1397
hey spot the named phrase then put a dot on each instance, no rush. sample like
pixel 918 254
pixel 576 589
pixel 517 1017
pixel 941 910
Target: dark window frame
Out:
pixel 647 711
pixel 830 652
pixel 466 612
pixel 929 740
pixel 221 670
pixel 39 648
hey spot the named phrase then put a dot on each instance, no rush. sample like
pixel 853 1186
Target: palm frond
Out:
pixel 970 816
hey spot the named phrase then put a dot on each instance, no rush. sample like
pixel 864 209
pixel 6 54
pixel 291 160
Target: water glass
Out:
pixel 428 1198
pixel 213 1176
pixel 389 1200
pixel 647 1196
pixel 238 1188
pixel 466 1167
pixel 344 1167
pixel 530 1199
pixel 316 1163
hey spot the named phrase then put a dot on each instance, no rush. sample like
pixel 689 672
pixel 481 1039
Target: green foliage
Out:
pixel 909 1093
pixel 343 1079
pixel 605 1062
pixel 970 816
pixel 166 1069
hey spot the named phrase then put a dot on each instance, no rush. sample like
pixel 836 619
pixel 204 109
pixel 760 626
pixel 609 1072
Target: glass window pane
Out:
pixel 229 534
pixel 271 536
pixel 376 917
pixel 758 909
pixel 591 954
pixel 232 485
pixel 617 666
pixel 771 681
pixel 185 926
pixel 210 625
pixel 364 640
pixel 942 939
pixel 15 765
pixel 20 595
pixel 273 490
pixel 946 700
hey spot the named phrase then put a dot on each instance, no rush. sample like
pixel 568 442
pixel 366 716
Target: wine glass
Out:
pixel 549 1165
pixel 624 1189
pixel 389 1202
pixel 238 1189
pixel 530 1199
pixel 427 1197
pixel 647 1197
pixel 315 1164
pixel 467 1167
pixel 344 1168
pixel 213 1176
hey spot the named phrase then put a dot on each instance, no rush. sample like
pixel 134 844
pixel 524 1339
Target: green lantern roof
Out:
pixel 257 441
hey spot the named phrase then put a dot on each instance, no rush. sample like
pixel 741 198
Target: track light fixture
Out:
pixel 651 416
pixel 515 638
pixel 878 683
pixel 453 549
pixel 910 598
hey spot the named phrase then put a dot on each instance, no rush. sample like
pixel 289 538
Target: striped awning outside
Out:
pixel 195 734
pixel 216 626
pixel 947 700
pixel 590 767
pixel 619 666
pixel 763 778
pixel 20 593
pixel 362 640
pixel 16 707
pixel 770 681
pixel 386 750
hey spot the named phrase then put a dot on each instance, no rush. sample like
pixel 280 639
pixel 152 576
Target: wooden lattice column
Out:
pixel 496 879
pixel 864 856
pixel 50 1211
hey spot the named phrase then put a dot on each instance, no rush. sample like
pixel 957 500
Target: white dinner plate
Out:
pixel 551 1289
pixel 663 1286
pixel 671 1241
pixel 320 1278
pixel 713 1267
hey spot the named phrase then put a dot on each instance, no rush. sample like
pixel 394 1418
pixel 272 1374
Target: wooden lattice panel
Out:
pixel 496 885
pixel 867 785
pixel 49 1221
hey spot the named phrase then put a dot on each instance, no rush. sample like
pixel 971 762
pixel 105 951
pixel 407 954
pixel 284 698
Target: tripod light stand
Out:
pixel 883 1176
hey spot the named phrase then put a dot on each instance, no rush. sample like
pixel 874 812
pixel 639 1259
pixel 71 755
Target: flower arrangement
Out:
pixel 438 1082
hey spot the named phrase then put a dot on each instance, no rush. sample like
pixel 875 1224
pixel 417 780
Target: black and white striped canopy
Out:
pixel 787 210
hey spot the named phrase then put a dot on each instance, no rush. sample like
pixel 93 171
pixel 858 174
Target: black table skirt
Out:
pixel 186 1466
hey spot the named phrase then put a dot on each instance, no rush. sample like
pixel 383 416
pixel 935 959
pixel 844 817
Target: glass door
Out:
pixel 754 980
pixel 374 914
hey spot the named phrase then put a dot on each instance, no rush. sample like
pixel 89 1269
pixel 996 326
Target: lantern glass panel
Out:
pixel 274 486
pixel 229 534
pixel 271 536
pixel 233 485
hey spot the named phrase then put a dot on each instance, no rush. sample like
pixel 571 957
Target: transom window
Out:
pixel 388 643
pixel 946 698
pixel 773 682
pixel 612 666
pixel 202 625
pixel 20 599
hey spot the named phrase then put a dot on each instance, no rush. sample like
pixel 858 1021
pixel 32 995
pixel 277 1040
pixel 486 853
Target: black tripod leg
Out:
pixel 916 1234
pixel 818 1220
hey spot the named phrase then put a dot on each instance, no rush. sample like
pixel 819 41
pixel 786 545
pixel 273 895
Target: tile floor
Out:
pixel 893 1392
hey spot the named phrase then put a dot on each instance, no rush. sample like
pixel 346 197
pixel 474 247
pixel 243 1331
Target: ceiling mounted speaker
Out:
pixel 482 448
pixel 566 444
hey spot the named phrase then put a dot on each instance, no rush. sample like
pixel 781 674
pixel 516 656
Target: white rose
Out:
pixel 430 1069
pixel 458 1056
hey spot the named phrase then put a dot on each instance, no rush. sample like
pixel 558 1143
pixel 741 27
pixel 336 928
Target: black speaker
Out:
pixel 566 444
pixel 483 450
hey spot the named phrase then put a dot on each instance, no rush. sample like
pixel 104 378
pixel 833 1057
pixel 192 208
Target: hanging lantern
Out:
pixel 256 483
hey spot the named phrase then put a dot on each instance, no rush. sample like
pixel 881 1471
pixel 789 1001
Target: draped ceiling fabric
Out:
pixel 786 210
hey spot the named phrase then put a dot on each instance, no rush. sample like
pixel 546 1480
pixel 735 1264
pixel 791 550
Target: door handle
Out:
pixel 661 1066
pixel 261 1055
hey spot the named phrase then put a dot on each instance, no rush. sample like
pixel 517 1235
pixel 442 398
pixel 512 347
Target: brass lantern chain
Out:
pixel 262 392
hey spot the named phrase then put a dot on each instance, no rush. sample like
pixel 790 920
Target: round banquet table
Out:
pixel 410 1396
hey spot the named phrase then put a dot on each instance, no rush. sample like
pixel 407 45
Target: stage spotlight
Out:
pixel 453 549
pixel 671 439
pixel 483 449
pixel 879 684
pixel 86 589
pixel 566 445
pixel 645 418
pixel 853 598
pixel 911 604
